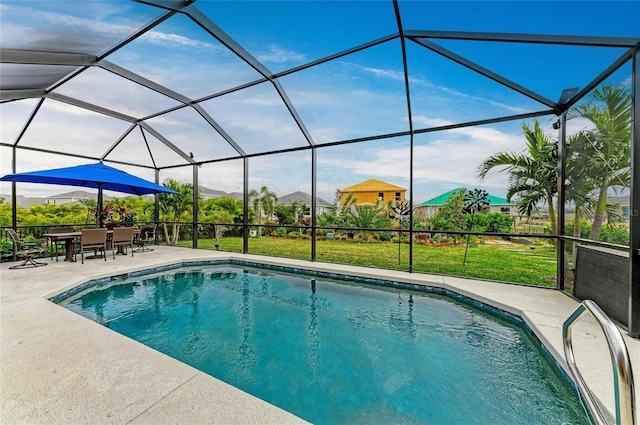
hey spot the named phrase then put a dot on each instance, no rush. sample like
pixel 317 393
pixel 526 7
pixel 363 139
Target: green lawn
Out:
pixel 528 264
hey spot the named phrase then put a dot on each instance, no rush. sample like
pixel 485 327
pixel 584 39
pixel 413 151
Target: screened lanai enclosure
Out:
pixel 533 103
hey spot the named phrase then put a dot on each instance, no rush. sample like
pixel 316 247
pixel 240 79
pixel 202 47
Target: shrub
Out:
pixel 6 249
pixel 615 234
pixel 384 236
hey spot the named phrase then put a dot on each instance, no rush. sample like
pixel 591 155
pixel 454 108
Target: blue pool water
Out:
pixel 339 352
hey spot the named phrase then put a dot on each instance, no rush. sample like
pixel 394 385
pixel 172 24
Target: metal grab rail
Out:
pixel 622 373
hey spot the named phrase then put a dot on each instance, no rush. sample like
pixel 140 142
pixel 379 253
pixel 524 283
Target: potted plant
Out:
pixel 104 216
pixel 126 217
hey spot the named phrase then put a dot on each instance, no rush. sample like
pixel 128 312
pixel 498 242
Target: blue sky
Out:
pixel 360 95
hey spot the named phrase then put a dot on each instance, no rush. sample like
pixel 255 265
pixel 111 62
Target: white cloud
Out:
pixel 277 54
pixel 379 72
pixel 399 76
pixel 161 38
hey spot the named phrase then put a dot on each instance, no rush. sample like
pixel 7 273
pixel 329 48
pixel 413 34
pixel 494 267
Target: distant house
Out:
pixel 72 197
pixel 429 208
pixel 371 191
pixel 322 206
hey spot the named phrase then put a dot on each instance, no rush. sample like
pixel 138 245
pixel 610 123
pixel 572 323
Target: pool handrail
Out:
pixel 622 372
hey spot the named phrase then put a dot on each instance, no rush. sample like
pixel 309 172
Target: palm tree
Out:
pixel 263 201
pixel 609 109
pixel 533 175
pixel 174 206
pixel 579 182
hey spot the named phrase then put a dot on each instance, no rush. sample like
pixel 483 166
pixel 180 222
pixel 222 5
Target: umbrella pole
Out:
pixel 100 218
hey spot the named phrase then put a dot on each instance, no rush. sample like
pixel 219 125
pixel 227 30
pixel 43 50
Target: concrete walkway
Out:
pixel 59 368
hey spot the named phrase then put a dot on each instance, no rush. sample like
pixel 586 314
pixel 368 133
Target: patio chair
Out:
pixel 58 243
pixel 27 249
pixel 147 236
pixel 121 238
pixel 93 239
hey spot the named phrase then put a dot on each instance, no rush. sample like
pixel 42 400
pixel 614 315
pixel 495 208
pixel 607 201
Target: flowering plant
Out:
pixel 115 216
pixel 104 215
pixel 124 216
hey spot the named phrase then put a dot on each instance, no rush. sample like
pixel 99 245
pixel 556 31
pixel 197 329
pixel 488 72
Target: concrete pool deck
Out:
pixel 59 368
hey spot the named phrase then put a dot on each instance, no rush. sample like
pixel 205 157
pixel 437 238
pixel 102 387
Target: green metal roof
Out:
pixel 442 199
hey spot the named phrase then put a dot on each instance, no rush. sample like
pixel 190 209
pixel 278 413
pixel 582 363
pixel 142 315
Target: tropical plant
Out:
pixel 579 182
pixel 174 207
pixel 328 220
pixel 263 201
pixel 124 216
pixel 103 215
pixel 609 109
pixel 533 174
pixel 90 205
pixel 345 207
pixel 368 217
pixel 222 212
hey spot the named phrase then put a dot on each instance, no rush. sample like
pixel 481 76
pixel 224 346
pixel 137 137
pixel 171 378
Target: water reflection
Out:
pixel 246 351
pixel 312 332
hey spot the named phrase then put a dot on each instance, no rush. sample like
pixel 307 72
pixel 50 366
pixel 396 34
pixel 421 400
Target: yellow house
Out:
pixel 370 191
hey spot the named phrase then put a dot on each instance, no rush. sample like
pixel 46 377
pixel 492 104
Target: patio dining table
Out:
pixel 69 237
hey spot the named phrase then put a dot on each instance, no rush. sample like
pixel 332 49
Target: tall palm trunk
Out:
pixel 166 233
pixel 552 217
pixel 176 234
pixel 600 213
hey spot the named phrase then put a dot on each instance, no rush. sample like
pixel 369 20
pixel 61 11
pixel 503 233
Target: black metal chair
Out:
pixel 28 249
pixel 147 236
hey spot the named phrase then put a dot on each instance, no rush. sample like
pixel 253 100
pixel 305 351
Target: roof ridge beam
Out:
pixel 199 18
pixel 16 94
pixel 175 5
pixel 213 123
pixel 32 57
pixel 294 113
pixel 91 107
pixel 575 40
pixel 117 142
pixel 138 79
pixel 166 141
pixel 338 55
pixel 209 26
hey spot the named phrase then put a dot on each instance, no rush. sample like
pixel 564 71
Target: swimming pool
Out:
pixel 334 351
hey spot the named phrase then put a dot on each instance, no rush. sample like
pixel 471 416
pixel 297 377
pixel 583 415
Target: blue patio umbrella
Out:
pixel 98 175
